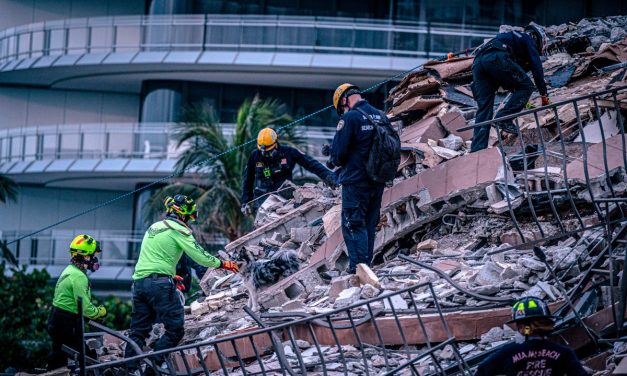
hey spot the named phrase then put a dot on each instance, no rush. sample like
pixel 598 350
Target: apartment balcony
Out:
pixel 118 53
pixel 49 250
pixel 114 156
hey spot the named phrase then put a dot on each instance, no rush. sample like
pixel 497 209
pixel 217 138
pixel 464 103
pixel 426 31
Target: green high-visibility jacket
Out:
pixel 164 244
pixel 72 284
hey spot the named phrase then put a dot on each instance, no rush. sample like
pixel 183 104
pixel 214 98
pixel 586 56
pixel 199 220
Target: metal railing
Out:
pixel 351 340
pixel 103 35
pixel 558 176
pixel 568 165
pixel 110 140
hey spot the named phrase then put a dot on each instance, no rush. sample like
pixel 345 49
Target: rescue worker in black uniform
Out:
pixel 361 196
pixel 271 165
pixel 503 62
pixel 536 355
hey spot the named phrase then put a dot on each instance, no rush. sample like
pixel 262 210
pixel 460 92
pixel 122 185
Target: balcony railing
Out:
pixel 120 247
pixel 109 140
pixel 124 34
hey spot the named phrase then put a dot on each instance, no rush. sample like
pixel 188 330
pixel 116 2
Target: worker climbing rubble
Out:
pixel 271 165
pixel 155 296
pixel 502 62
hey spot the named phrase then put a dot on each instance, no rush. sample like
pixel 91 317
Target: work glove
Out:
pixel 545 100
pixel 247 209
pixel 329 180
pixel 178 280
pixel 229 265
pixel 326 150
pixel 102 312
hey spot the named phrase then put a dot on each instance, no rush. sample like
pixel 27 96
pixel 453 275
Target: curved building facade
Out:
pixel 89 90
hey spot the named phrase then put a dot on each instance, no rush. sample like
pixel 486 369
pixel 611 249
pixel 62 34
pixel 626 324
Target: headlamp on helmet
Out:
pixel 182 206
pixel 84 245
pixel 84 248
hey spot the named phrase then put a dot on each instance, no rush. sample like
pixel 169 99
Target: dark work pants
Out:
pixel 155 300
pixel 64 329
pixel 491 70
pixel 361 208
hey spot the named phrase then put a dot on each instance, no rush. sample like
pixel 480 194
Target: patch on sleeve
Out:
pixel 340 125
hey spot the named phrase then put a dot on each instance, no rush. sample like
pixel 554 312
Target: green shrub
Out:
pixel 25 301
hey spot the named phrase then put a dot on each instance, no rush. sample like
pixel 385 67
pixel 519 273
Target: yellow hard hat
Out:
pixel 267 139
pixel 340 92
pixel 84 245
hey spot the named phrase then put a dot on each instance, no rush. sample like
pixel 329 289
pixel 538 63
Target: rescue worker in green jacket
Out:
pixel 155 298
pixel 63 323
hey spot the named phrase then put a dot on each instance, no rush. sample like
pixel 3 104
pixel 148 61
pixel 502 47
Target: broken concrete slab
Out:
pixel 423 130
pixel 423 102
pixel 367 276
pixel 427 245
pixel 592 131
pixel 451 142
pixel 454 120
pixel 347 297
pixel 450 67
pixel 332 219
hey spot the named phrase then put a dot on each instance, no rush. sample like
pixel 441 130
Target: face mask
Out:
pixel 93 264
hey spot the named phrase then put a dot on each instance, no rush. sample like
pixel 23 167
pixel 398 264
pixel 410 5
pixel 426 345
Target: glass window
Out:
pixel 255 35
pixel 127 38
pixel 24 45
pixel 13 46
pixel 77 40
pixel 188 36
pixel 30 147
pixel 157 37
pixel 100 39
pixel 70 145
pixel 334 38
pixel 223 34
pixel 57 42
pixel 296 36
pixel 371 39
pixel 50 142
pixel 37 43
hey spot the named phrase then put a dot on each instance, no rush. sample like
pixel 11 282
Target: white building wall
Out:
pixel 20 12
pixel 24 107
pixel 40 207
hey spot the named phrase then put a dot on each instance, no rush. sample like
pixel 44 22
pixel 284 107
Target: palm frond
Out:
pixel 154 209
pixel 222 160
pixel 8 190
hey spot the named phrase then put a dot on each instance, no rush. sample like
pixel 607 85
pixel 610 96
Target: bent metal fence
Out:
pixel 385 335
pixel 567 178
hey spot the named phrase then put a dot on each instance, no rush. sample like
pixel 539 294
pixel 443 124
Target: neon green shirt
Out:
pixel 72 284
pixel 162 247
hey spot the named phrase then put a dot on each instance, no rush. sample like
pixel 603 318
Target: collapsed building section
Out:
pixel 541 212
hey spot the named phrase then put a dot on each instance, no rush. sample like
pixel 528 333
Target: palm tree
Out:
pixel 220 162
pixel 8 190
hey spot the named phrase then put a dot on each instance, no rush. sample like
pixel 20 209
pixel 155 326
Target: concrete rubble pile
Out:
pixel 448 209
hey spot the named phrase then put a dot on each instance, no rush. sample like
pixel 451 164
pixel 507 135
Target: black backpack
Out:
pixel 385 152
